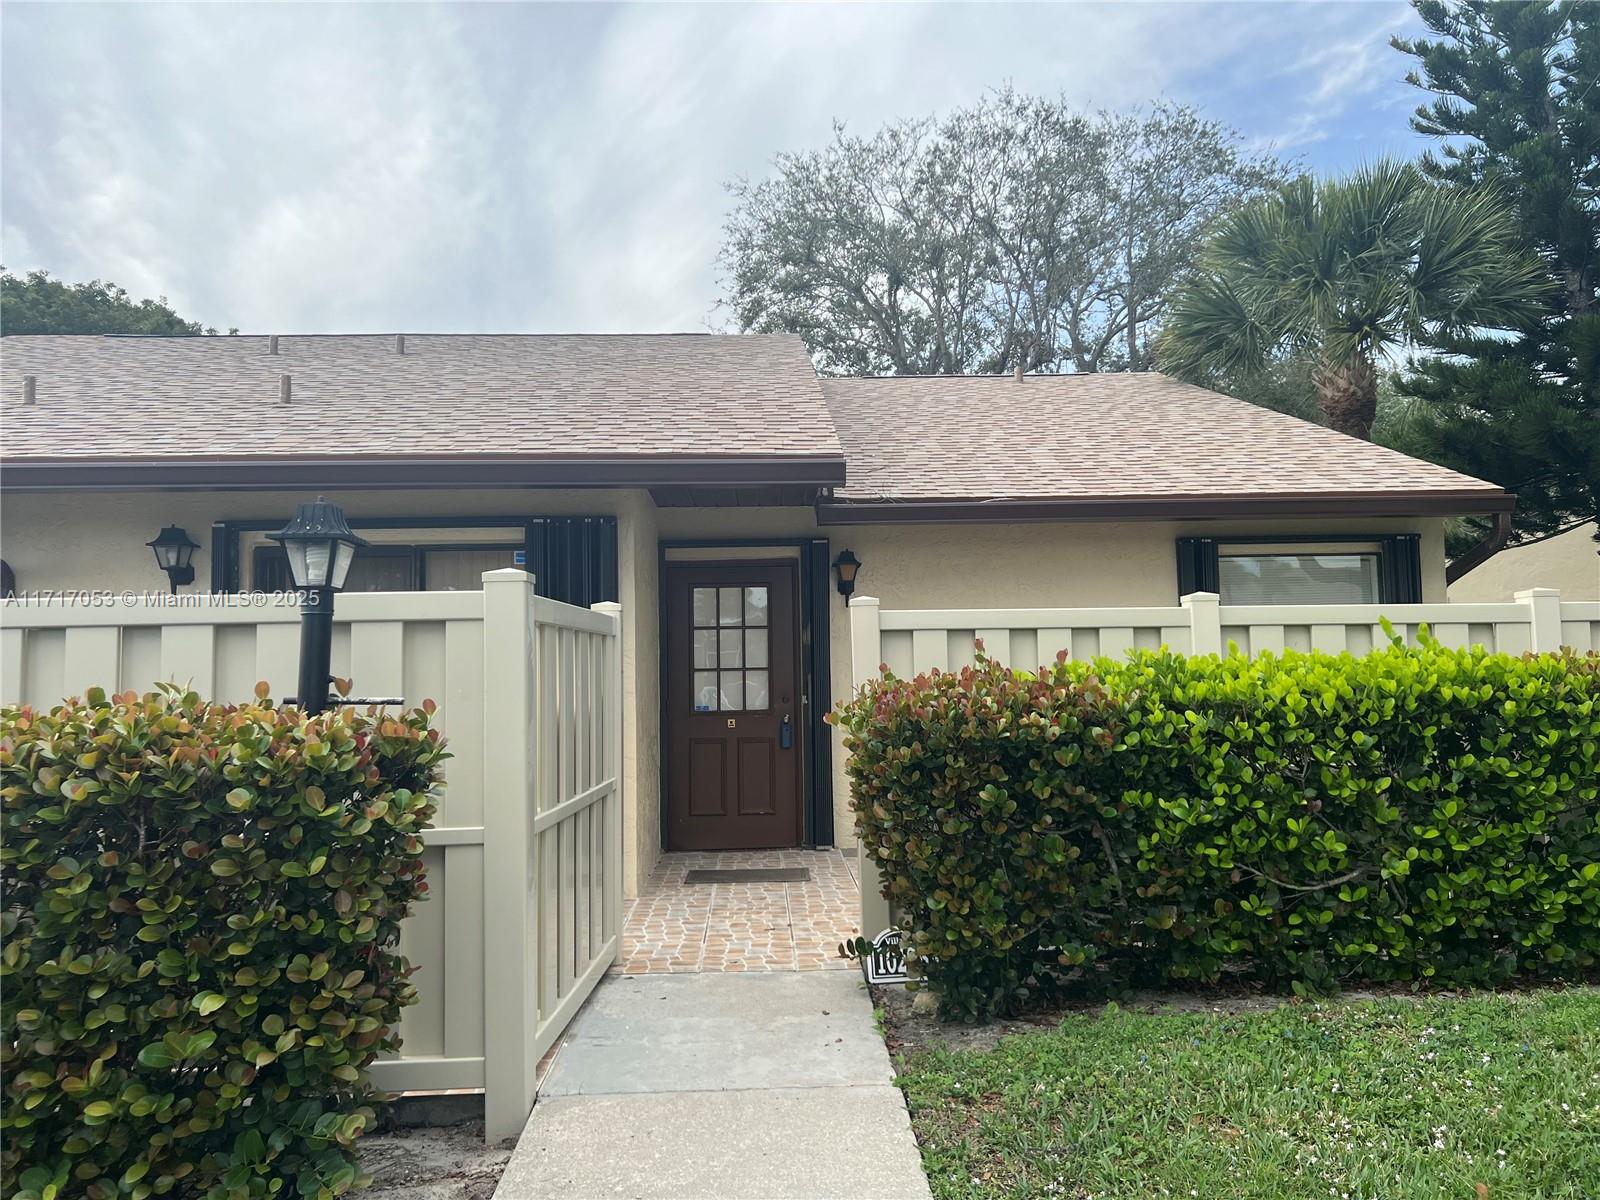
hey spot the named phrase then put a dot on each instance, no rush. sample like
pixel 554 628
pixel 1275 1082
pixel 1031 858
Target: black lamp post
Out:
pixel 320 546
pixel 846 566
pixel 174 551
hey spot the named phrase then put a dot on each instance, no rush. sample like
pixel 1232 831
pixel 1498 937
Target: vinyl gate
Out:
pixel 523 914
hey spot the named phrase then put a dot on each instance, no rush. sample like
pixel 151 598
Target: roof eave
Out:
pixel 289 473
pixel 1420 503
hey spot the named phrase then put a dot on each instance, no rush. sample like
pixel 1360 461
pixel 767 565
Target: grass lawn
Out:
pixel 1492 1096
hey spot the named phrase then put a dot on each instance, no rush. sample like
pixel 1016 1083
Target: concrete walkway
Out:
pixel 770 1086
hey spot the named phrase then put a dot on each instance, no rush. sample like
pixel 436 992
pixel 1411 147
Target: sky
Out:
pixel 286 168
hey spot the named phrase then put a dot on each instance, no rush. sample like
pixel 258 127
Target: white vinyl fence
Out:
pixel 912 641
pixel 523 913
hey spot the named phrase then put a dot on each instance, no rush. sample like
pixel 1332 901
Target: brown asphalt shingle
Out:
pixel 509 395
pixel 1105 435
pixel 672 396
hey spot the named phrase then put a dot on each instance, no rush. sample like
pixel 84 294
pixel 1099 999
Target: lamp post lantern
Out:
pixel 320 546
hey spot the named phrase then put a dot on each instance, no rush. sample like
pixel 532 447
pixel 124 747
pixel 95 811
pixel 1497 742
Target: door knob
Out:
pixel 786 733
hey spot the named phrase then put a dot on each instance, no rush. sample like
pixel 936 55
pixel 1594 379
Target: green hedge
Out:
pixel 1299 820
pixel 202 906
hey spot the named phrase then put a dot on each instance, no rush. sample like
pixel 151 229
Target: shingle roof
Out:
pixel 1105 435
pixel 739 410
pixel 448 394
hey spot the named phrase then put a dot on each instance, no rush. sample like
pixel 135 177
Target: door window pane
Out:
pixel 730 649
pixel 755 647
pixel 755 606
pixel 705 691
pixel 705 606
pixel 755 689
pixel 1298 578
pixel 705 648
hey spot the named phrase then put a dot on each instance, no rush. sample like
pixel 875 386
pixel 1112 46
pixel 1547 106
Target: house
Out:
pixel 709 484
pixel 1568 562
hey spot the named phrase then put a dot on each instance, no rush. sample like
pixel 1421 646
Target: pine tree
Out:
pixel 1516 107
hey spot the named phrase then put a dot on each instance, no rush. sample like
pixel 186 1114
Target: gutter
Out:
pixel 1435 502
pixel 1491 544
pixel 297 472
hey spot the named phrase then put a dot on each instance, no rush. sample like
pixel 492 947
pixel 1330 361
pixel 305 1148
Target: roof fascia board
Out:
pixel 288 474
pixel 1145 508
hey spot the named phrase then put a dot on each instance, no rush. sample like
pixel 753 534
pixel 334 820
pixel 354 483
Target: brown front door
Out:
pixel 732 706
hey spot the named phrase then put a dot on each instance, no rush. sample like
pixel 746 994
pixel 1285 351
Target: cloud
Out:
pixel 551 167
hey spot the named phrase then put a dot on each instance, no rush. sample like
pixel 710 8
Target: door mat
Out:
pixel 748 875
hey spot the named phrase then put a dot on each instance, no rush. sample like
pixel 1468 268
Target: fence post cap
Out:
pixel 1193 598
pixel 1536 593
pixel 863 602
pixel 507 575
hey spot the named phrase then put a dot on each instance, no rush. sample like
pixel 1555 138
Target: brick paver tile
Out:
pixel 674 927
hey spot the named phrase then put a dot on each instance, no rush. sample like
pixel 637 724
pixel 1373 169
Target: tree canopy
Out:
pixel 1342 271
pixel 36 303
pixel 1016 231
pixel 1516 108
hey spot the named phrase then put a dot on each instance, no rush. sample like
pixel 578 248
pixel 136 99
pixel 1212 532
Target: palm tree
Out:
pixel 1344 270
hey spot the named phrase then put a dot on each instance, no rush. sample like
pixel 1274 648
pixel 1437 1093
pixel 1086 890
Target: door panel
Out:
pixel 732 706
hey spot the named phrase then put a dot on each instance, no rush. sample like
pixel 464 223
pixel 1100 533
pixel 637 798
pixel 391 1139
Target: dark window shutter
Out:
pixel 1197 566
pixel 1400 569
pixel 224 558
pixel 574 559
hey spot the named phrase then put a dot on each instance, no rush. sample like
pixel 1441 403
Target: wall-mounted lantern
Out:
pixel 174 551
pixel 845 567
pixel 320 545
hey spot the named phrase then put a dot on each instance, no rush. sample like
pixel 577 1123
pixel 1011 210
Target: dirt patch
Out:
pixel 449 1162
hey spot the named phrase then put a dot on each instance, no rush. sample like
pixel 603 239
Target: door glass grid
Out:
pixel 729 649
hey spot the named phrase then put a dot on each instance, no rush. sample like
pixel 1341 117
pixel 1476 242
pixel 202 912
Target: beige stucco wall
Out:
pixel 1569 563
pixel 98 541
pixel 637 576
pixel 1055 565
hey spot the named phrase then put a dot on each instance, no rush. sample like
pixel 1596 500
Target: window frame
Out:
pixel 417 552
pixel 572 557
pixel 1399 559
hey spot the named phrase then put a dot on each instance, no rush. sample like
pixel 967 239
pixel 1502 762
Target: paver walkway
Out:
pixel 763 1086
pixel 674 926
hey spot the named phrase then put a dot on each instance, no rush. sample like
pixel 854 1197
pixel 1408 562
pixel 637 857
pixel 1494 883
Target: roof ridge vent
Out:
pixel 272 346
pixel 283 389
pixel 399 343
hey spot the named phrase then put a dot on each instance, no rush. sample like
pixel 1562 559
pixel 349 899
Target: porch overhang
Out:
pixel 800 473
pixel 1424 503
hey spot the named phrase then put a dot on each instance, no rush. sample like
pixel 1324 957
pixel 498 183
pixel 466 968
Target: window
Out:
pixel 729 645
pixel 572 559
pixel 1298 578
pixel 395 567
pixel 1327 569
